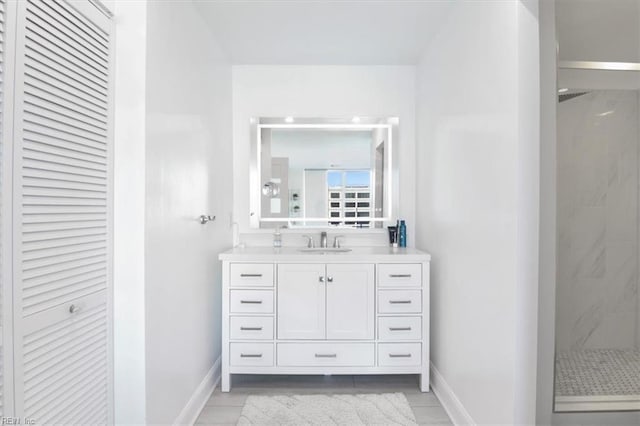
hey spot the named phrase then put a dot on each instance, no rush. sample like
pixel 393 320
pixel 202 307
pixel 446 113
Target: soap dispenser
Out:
pixel 277 238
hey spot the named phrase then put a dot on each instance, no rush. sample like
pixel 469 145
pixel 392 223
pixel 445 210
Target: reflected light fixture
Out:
pixel 563 90
pixel 355 119
pixel 288 120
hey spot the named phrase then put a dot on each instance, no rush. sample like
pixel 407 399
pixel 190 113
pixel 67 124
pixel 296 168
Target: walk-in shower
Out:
pixel 598 216
pixel 597 334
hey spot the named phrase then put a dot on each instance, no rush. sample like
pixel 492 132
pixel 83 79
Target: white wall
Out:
pixel 188 168
pixel 478 179
pixel 323 91
pixel 129 212
pixel 528 213
pixel 547 248
pixel 598 30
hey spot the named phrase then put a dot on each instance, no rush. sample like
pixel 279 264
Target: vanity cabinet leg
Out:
pixel 424 381
pixel 225 380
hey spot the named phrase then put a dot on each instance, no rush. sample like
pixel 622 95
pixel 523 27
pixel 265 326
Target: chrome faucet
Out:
pixel 323 239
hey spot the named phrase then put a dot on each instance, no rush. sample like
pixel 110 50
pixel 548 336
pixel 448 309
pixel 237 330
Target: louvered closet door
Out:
pixel 62 187
pixel 6 378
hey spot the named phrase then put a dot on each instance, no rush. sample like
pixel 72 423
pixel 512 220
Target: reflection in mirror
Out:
pixel 322 173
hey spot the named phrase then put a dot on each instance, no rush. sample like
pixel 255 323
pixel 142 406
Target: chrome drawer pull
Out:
pixel 250 328
pixel 250 275
pixel 396 302
pixel 400 275
pixel 400 328
pixel 399 355
pixel 326 355
pixel 250 355
pixel 251 302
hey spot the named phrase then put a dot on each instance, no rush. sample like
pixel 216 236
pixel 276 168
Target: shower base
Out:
pixel 598 380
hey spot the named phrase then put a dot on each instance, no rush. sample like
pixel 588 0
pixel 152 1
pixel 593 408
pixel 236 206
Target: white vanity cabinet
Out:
pixel 291 312
pixel 325 301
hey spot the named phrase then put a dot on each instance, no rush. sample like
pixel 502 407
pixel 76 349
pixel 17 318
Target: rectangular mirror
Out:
pixel 322 173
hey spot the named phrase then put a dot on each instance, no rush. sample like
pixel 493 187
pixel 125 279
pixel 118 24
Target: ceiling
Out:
pixel 324 32
pixel 598 30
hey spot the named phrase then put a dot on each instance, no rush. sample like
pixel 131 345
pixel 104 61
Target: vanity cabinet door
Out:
pixel 301 301
pixel 350 301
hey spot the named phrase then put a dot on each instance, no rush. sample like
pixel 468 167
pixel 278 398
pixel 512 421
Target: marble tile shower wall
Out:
pixel 598 215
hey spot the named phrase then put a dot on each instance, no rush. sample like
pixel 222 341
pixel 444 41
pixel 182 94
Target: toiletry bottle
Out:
pixel 403 234
pixel 393 236
pixel 277 238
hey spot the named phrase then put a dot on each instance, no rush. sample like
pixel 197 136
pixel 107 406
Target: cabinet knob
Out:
pixel 330 279
pixel 321 279
pixel 73 309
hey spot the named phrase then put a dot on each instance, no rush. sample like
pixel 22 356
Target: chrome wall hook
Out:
pixel 206 218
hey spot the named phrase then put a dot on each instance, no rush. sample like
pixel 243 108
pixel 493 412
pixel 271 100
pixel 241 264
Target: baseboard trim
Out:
pixel 198 400
pixel 457 413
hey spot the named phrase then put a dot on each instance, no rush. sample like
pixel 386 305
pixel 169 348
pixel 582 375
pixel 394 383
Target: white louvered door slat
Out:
pixel 62 199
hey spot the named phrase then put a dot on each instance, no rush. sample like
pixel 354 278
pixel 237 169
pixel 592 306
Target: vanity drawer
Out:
pixel 406 354
pixel 251 301
pixel 399 275
pixel 399 301
pixel 251 354
pixel 326 354
pixel 251 275
pixel 251 328
pixel 399 328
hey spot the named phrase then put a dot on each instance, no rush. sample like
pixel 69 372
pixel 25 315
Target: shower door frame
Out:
pixel 597 403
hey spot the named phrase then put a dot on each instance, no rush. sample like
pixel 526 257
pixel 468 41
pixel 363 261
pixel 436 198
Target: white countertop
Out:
pixel 361 254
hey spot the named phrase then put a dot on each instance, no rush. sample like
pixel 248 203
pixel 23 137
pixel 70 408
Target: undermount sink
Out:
pixel 323 250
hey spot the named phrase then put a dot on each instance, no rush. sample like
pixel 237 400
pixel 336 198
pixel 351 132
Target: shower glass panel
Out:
pixel 598 186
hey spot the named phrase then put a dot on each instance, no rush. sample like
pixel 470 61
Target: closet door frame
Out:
pixel 95 12
pixel 6 203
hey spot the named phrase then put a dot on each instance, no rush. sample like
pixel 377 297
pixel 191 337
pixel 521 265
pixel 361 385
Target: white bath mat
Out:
pixel 361 409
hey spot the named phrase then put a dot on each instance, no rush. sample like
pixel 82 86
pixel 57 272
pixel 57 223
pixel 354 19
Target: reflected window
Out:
pixel 349 185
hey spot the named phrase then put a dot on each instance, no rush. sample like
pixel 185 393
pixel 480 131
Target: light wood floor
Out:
pixel 225 408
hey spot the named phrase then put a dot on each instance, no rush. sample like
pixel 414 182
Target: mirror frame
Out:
pixel 391 185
